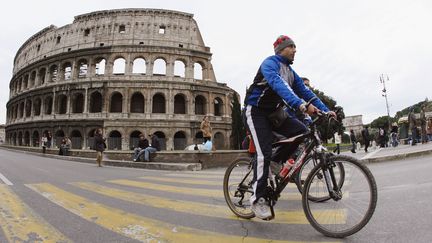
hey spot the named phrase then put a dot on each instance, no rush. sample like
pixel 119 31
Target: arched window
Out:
pixel 139 66
pixel 115 140
pixel 179 69
pixel 37 107
pixel 179 141
pixel 200 105
pixel 58 136
pixel 53 73
pixel 83 68
pixel 35 139
pixel 137 103
pixel 25 82
pixel 21 110
pixel 116 103
pixel 219 141
pixel 32 79
pixel 26 138
pixel 41 75
pixel 48 103
pixel 199 138
pixel 162 139
pixel 100 67
pixel 78 103
pixel 198 71
pixel 179 104
pixel 67 71
pixel 90 139
pixel 133 139
pixel 61 104
pixel 28 108
pixel 20 139
pixel 76 139
pixel 158 104
pixel 218 107
pixel 159 67
pixel 95 102
pixel 119 66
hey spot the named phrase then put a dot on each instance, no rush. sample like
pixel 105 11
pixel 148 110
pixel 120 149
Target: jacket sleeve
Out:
pixel 270 70
pixel 306 94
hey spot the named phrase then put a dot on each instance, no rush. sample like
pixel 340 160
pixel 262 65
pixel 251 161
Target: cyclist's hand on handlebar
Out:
pixel 311 109
pixel 332 114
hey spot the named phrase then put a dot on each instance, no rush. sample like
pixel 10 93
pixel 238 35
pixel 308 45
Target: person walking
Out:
pixel 412 126
pixel 353 141
pixel 44 141
pixel 338 141
pixel 99 146
pixel 366 138
pixel 154 146
pixel 206 129
pixel 49 139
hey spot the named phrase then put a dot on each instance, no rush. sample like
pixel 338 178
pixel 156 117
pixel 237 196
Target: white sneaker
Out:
pixel 262 209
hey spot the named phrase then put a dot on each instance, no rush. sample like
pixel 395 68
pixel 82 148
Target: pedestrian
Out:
pixel 143 143
pixel 49 139
pixel 353 141
pixel 381 137
pixel 423 124
pixel 99 146
pixel 366 138
pixel 206 129
pixel 412 125
pixel 154 146
pixel 394 135
pixel 338 140
pixel 44 141
pixel 429 129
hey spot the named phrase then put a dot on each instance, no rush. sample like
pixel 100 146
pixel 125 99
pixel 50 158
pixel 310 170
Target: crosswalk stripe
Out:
pixel 131 225
pixel 21 224
pixel 284 217
pixel 190 191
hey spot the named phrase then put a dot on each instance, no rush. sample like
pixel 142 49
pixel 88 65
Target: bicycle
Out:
pixel 331 185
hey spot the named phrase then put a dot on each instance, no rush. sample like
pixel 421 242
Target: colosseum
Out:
pixel 129 71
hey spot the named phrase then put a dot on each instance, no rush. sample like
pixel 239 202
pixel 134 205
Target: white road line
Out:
pixel 5 180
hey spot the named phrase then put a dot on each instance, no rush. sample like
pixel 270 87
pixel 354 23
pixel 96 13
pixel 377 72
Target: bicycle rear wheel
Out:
pixel 237 187
pixel 351 211
pixel 308 165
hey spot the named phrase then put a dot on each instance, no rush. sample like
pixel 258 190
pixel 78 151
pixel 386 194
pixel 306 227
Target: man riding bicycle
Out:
pixel 275 85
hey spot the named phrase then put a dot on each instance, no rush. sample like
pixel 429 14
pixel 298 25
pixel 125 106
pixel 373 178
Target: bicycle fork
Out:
pixel 330 178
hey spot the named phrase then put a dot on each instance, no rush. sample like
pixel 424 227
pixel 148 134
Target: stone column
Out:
pixel 86 102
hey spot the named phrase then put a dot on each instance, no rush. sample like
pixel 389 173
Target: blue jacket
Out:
pixel 275 83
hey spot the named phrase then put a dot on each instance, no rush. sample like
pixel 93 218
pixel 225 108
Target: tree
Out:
pixel 237 128
pixel 324 128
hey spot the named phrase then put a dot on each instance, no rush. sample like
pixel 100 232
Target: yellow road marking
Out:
pixel 189 191
pixel 21 224
pixel 284 217
pixel 131 225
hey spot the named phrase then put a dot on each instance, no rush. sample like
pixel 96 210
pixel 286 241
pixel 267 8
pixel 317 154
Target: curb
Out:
pixel 396 156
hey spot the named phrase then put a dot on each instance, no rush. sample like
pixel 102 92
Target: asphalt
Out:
pixel 377 154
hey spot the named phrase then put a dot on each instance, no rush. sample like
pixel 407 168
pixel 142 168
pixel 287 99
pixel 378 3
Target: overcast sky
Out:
pixel 343 46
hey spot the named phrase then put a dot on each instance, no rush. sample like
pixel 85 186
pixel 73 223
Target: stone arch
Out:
pixel 179 68
pixel 32 81
pixel 21 109
pixel 137 103
pixel 58 136
pixel 25 82
pixel 115 140
pixel 119 66
pixel 179 104
pixel 35 138
pixel 67 71
pixel 78 103
pixel 90 138
pixel 199 138
pixel 48 103
pixel 61 104
pixel 20 139
pixel 100 66
pixel 162 139
pixel 53 73
pixel 28 108
pixel 158 105
pixel 159 67
pixel 133 139
pixel 82 68
pixel 198 71
pixel 26 138
pixel 76 139
pixel 37 105
pixel 180 140
pixel 139 66
pixel 96 102
pixel 41 75
pixel 116 102
pixel 218 106
pixel 200 105
pixel 219 140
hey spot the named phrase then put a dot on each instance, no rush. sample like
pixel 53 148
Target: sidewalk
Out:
pixel 390 153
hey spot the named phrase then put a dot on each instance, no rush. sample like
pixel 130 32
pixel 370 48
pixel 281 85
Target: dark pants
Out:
pixel 366 145
pixel 261 131
pixel 414 136
pixel 337 149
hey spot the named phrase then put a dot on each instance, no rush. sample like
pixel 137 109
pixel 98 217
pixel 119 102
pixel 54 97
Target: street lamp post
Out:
pixel 384 94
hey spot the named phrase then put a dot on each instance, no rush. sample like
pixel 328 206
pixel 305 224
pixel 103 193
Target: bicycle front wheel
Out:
pixel 351 209
pixel 237 187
